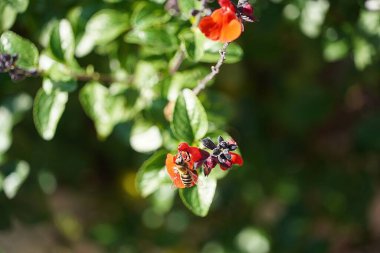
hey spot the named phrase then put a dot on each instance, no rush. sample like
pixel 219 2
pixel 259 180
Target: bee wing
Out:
pixel 194 177
pixel 248 18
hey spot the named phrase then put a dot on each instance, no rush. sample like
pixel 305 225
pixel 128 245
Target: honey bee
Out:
pixel 181 170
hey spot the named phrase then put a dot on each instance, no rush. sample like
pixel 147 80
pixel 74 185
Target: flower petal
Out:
pixel 211 26
pixel 236 159
pixel 231 28
pixel 173 174
pixel 227 5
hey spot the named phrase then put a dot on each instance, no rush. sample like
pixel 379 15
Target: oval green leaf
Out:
pixel 47 111
pixel 11 43
pixel 152 174
pixel 147 14
pixel 158 39
pixel 103 27
pixel 62 42
pixel 18 5
pixel 7 16
pixel 12 183
pixel 199 198
pixel 192 43
pixel 189 118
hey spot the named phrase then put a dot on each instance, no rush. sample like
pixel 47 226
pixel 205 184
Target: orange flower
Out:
pixel 223 25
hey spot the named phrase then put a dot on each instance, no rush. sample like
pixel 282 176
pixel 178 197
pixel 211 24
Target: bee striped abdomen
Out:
pixel 187 180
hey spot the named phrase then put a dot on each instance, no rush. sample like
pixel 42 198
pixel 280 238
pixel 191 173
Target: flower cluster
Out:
pixel 8 64
pixel 225 24
pixel 182 167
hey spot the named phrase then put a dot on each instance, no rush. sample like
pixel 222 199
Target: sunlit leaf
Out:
pixel 146 75
pixel 313 16
pixel 5 129
pixel 189 118
pixel 13 181
pixel 7 16
pixel 199 198
pixel 62 42
pixel 107 107
pixel 335 50
pixel 152 174
pixel 252 240
pixel 27 52
pixel 193 43
pixel 158 39
pixel 103 27
pixel 18 5
pixel 163 198
pixel 148 14
pixel 363 52
pixel 145 138
pixel 47 111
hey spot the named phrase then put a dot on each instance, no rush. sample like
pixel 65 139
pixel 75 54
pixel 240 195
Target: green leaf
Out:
pixel 146 75
pixel 102 28
pixel 57 71
pixel 363 53
pixel 50 85
pixel 5 129
pixel 27 52
pixel 145 138
pixel 13 181
pixel 107 107
pixel 62 42
pixel 18 5
pixel 193 43
pixel 189 118
pixel 152 174
pixel 47 111
pixel 335 50
pixel 7 16
pixel 163 198
pixel 212 55
pixel 158 39
pixel 199 198
pixel 148 14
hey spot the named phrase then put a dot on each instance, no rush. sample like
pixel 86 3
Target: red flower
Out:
pixel 197 155
pixel 223 25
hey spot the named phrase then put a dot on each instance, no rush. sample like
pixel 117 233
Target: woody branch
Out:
pixel 214 70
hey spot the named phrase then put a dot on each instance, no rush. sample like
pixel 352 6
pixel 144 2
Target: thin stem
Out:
pixel 103 78
pixel 214 70
pixel 177 61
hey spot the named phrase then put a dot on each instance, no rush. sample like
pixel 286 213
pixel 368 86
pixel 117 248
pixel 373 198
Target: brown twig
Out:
pixel 103 78
pixel 214 70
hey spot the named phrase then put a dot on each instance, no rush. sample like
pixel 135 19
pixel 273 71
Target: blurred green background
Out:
pixel 303 104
